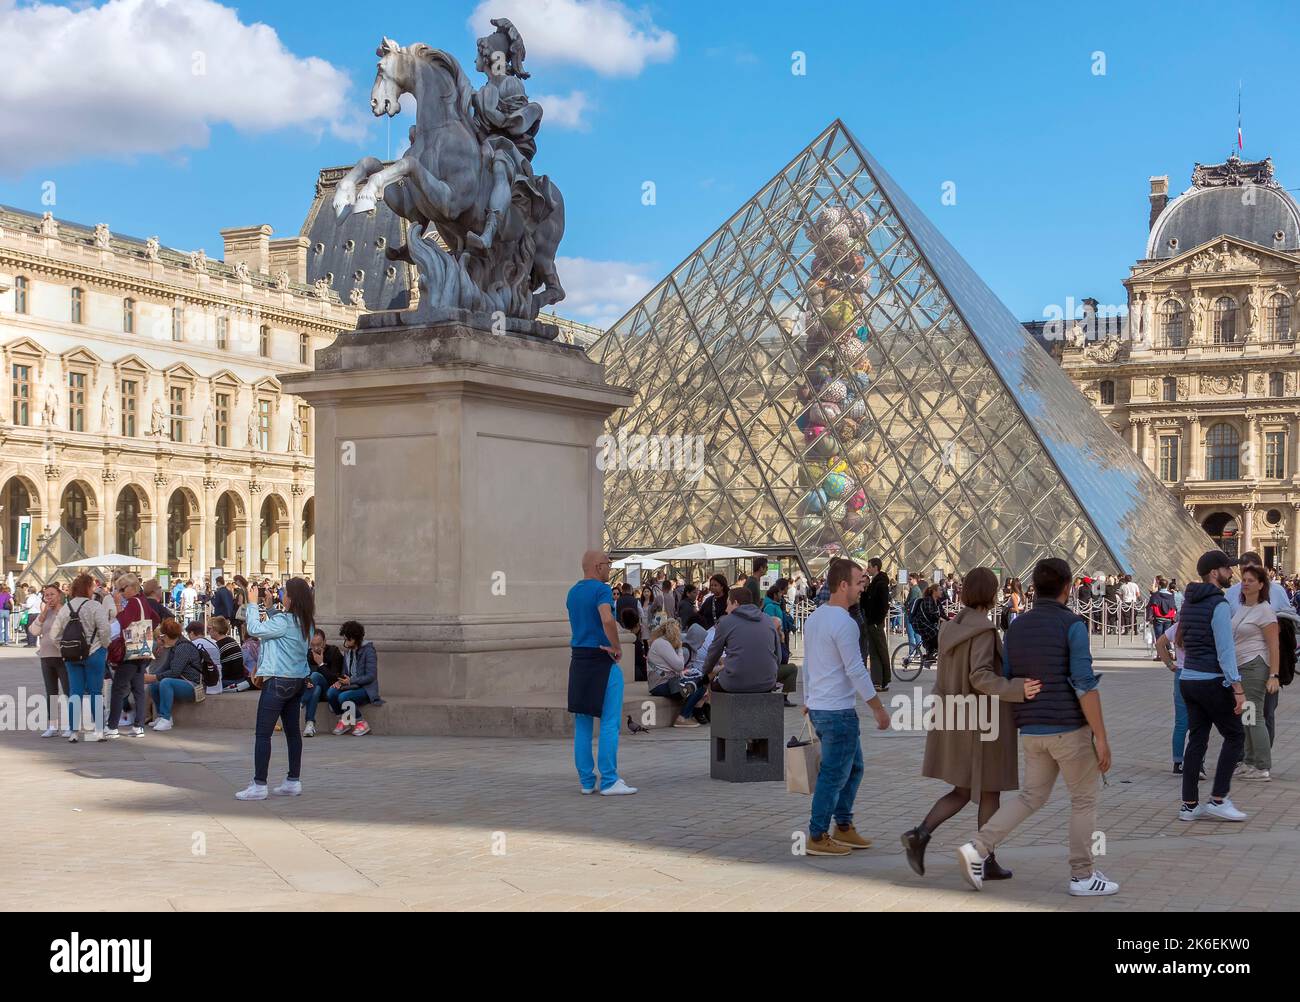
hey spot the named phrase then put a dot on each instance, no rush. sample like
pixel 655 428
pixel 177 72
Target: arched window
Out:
pixel 1225 320
pixel 1279 317
pixel 78 303
pixel 1171 324
pixel 1222 453
pixel 1169 390
pixel 21 286
pixel 1107 392
pixel 1276 387
pixel 128 316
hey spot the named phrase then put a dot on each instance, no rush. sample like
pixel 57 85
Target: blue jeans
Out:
pixel 357 697
pixel 841 771
pixel 4 626
pixel 913 637
pixel 86 678
pixel 167 691
pixel 311 698
pixel 278 701
pixel 1180 721
pixel 611 712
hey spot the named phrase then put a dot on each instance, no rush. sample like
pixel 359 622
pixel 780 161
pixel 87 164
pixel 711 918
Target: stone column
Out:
pixel 160 526
pixel 1195 449
pixel 208 542
pixel 1247 527
pixel 297 562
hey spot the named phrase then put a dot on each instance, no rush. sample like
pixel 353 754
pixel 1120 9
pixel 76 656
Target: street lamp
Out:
pixel 1279 539
pixel 288 554
pixel 191 555
pixel 239 559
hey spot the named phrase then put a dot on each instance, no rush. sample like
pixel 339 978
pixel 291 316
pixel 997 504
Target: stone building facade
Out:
pixel 1203 379
pixel 140 407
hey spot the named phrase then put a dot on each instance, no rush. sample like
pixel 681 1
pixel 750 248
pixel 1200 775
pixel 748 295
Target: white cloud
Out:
pixel 600 292
pixel 564 112
pixel 604 35
pixel 132 77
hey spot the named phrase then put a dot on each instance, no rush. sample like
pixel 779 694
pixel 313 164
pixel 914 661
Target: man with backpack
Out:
pixel 1161 610
pixel 83 631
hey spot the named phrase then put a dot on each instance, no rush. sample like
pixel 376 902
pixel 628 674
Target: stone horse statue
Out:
pixel 466 180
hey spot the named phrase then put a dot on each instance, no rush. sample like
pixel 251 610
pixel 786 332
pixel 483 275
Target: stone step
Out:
pixel 534 714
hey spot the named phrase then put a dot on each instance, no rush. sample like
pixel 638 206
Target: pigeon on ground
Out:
pixel 634 728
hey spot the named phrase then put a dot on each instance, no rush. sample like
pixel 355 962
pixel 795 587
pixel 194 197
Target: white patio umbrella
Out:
pixel 703 551
pixel 647 563
pixel 107 560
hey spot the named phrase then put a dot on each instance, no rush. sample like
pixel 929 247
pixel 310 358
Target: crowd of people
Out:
pixel 118 657
pixel 1026 648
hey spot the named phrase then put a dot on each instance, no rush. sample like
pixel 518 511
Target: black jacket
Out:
pixel 875 600
pixel 332 666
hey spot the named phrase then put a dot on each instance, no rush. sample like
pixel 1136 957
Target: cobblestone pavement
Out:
pixel 455 823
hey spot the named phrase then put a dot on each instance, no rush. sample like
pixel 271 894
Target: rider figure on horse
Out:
pixel 508 122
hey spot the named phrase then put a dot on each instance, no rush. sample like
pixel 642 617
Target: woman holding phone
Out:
pixel 282 674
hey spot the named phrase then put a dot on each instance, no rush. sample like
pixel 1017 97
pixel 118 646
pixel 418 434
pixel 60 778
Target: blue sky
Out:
pixel 1050 160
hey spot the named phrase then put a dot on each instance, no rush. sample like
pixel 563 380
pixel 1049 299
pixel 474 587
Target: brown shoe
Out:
pixel 826 846
pixel 849 837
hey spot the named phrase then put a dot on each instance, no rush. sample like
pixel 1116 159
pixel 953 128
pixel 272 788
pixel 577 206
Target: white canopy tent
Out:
pixel 107 560
pixel 703 551
pixel 647 563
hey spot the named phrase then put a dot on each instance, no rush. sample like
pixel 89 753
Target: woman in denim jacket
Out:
pixel 282 674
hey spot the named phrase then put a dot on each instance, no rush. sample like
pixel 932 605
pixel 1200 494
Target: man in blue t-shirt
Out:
pixel 595 678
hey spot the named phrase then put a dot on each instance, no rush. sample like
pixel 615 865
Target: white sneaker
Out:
pixel 972 865
pixel 1222 812
pixel 1093 886
pixel 162 724
pixel 137 732
pixel 619 789
pixel 49 732
pixel 1186 813
pixel 65 733
pixel 253 791
pixel 95 736
pixel 112 734
pixel 1251 773
pixel 72 737
pixel 685 722
pixel 1241 769
pixel 585 791
pixel 289 788
pixel 310 730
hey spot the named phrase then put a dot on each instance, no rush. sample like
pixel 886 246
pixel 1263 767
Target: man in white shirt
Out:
pixel 834 676
pixel 1129 591
pixel 189 601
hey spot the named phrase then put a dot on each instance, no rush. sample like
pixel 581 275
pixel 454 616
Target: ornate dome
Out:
pixel 1237 198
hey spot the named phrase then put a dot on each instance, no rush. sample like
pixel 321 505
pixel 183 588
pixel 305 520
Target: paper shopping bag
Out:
pixel 803 760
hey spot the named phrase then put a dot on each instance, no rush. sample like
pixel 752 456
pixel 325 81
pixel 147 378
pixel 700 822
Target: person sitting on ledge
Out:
pixel 666 664
pixel 195 633
pixel 359 683
pixel 325 663
pixel 751 645
pixel 176 674
pixel 230 655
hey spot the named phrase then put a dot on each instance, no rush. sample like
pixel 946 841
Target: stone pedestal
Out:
pixel 456 490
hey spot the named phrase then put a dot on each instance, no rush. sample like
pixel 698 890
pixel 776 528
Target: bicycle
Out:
pixel 908 660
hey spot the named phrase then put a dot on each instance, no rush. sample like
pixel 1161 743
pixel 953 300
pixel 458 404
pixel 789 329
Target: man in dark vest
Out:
pixel 874 607
pixel 1211 687
pixel 1061 730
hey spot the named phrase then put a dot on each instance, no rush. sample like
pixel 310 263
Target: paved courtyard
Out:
pixel 453 823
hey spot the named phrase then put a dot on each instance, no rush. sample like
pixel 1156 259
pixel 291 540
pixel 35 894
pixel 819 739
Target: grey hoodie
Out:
pixel 753 649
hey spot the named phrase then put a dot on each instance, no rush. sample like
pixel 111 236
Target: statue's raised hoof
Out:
pixel 364 203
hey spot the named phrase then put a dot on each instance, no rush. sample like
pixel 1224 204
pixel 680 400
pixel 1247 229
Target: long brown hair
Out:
pixel 302 605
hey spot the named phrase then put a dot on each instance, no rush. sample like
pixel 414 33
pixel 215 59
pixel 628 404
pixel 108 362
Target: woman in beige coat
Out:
pixel 970 664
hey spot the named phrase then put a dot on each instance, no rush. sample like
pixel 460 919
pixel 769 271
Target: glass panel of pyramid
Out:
pixel 827 376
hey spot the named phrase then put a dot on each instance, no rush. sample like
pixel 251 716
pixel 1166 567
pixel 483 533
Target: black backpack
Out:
pixel 210 673
pixel 73 645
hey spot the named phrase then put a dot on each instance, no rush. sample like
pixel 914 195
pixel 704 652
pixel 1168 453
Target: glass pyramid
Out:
pixel 825 375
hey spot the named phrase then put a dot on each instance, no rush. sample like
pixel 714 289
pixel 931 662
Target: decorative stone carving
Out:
pixel 297 489
pixel 106 415
pixel 1259 383
pixel 1153 388
pixel 1103 351
pixel 50 412
pixel 1221 384
pixel 252 428
pixel 1184 387
pixel 254 488
pixel 49 225
pixel 470 167
pixel 108 476
pixel 152 249
pixel 205 433
pixel 1288 384
pixel 1234 173
pixel 295 435
pixel 357 297
pixel 161 478
pixel 1227 257
pixel 282 280
pixel 211 483
pixel 242 273
pixel 103 238
pixel 157 419
pixel 53 472
pixel 323 288
pixel 199 261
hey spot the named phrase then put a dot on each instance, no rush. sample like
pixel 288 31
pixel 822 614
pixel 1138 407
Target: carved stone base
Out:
pixel 443 315
pixel 456 489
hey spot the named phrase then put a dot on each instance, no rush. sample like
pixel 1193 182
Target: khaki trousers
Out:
pixel 1071 754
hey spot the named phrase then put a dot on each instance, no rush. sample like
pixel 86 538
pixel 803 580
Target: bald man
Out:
pixel 595 678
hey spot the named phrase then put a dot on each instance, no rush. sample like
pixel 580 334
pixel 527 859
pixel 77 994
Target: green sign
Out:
pixel 24 538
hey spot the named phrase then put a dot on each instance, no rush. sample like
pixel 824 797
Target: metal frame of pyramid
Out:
pixel 825 375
